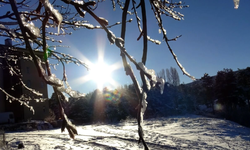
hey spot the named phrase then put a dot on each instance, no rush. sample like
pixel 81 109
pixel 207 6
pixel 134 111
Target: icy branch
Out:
pixel 144 105
pixel 52 12
pixel 31 29
pixel 158 18
pixel 140 29
pixel 22 100
pixel 154 79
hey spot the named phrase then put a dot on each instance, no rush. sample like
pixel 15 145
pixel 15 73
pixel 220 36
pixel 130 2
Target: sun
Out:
pixel 101 73
pixel 98 72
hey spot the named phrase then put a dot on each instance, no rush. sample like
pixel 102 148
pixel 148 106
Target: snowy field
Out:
pixel 183 132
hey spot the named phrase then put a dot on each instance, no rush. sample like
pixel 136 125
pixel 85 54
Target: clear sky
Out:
pixel 214 36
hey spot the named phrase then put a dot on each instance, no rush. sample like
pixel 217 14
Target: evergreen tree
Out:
pixel 243 77
pixel 208 90
pixel 226 88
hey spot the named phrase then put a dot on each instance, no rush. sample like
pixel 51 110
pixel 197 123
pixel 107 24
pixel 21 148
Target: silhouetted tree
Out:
pixel 188 98
pixel 226 88
pixel 208 92
pixel 81 111
pixel 162 74
pixel 243 78
pixel 173 76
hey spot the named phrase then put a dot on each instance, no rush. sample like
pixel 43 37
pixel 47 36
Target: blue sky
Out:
pixel 214 36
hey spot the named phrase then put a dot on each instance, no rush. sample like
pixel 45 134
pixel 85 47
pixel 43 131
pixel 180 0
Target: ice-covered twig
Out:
pixel 51 78
pixel 18 75
pixel 69 91
pixel 68 125
pixel 67 59
pixel 31 29
pixel 154 79
pixel 52 12
pixel 144 105
pixel 59 88
pixel 158 18
pixel 139 26
pixel 26 39
pixel 22 100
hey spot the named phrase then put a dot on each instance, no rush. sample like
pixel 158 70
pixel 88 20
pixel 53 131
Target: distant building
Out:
pixel 30 77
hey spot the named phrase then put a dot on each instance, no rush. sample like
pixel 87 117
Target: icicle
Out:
pixel 144 105
pixel 236 4
pixel 53 12
pixel 32 109
pixel 162 83
pixel 147 84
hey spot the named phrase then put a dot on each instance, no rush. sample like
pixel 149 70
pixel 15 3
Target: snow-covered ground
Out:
pixel 182 132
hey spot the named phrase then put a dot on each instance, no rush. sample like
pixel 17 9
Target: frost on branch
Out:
pixel 142 67
pixel 31 29
pixel 167 9
pixel 58 84
pixel 154 79
pixel 22 100
pixel 111 37
pixel 10 32
pixel 79 2
pixel 119 42
pixel 53 12
pixel 69 91
pixel 88 26
pixel 53 79
pixel 103 21
pixel 154 41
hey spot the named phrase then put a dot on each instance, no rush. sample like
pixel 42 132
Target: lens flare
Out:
pixel 111 96
pixel 218 107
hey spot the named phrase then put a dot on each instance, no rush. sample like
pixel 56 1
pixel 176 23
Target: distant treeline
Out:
pixel 225 95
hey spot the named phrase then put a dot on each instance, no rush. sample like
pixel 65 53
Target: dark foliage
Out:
pixel 107 106
pixel 226 88
pixel 208 90
pixel 226 95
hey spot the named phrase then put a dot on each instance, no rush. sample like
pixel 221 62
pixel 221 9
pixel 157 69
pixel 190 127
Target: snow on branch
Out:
pixel 154 79
pixel 31 29
pixel 58 84
pixel 52 12
pixel 139 26
pixel 158 13
pixel 22 100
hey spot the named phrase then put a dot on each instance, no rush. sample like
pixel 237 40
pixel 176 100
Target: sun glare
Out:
pixel 101 73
